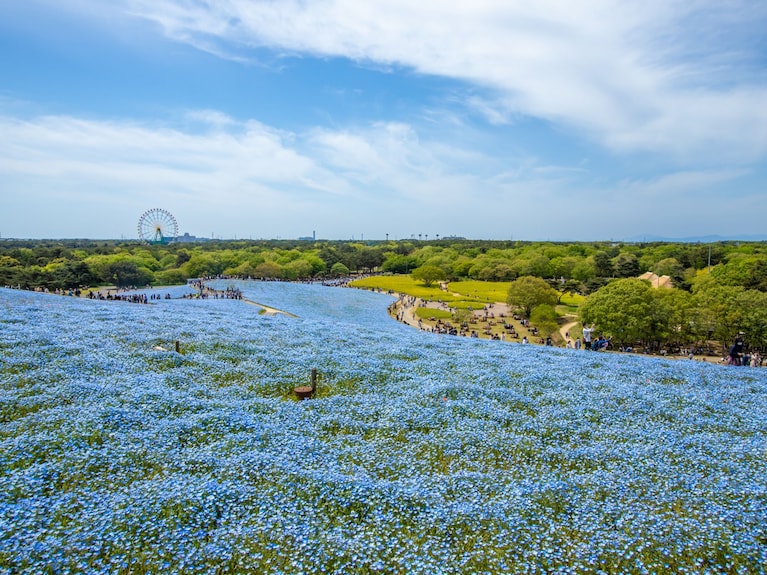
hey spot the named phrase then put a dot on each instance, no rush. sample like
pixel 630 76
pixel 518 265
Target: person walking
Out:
pixel 587 331
pixel 736 350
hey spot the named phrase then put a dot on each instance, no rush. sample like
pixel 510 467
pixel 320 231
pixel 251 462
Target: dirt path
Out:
pixel 269 310
pixel 565 329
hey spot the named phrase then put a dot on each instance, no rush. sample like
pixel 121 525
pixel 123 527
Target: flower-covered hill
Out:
pixel 420 453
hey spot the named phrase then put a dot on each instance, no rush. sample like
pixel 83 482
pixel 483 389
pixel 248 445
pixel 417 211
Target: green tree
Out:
pixel 537 265
pixel 297 270
pixel 603 265
pixel 318 265
pixel 398 264
pixel 203 264
pixel 545 317
pixel 624 308
pixel 428 274
pixel 268 270
pixel 757 277
pixel 569 287
pixel 672 268
pixel 339 270
pixel 126 273
pixel 562 267
pixel 11 270
pixel 461 267
pixel 753 304
pixel 675 316
pixel 245 269
pixel 182 257
pixel 170 277
pixel 329 255
pixel 370 258
pixel 584 270
pixel 528 292
pixel 626 266
pixel 719 311
pixel 503 273
pixel 462 315
pixel 73 274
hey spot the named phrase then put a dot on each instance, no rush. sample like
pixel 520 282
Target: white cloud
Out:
pixel 660 75
pixel 684 186
pixel 240 172
pixel 248 179
pixel 58 161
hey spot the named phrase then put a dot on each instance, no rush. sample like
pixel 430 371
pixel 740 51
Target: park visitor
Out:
pixel 587 331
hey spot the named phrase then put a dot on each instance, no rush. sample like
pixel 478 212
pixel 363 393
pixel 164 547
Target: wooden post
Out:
pixel 306 391
pixel 178 347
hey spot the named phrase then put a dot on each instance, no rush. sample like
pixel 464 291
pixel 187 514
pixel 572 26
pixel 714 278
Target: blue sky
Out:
pixel 489 119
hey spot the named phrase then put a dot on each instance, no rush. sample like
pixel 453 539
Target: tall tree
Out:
pixel 603 264
pixel 719 309
pixel 626 266
pixel 528 292
pixel 623 308
pixel 428 274
pixel 545 318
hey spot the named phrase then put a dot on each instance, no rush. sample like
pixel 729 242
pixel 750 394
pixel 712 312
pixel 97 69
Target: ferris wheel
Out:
pixel 157 226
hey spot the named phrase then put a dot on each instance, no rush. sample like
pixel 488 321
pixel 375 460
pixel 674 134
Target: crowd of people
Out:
pixel 205 292
pixel 129 297
pixel 737 355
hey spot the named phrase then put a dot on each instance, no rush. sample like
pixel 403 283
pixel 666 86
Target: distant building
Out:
pixel 186 238
pixel 657 281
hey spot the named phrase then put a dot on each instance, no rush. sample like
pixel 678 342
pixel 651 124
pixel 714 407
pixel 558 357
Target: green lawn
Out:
pixel 428 313
pixel 404 284
pixel 486 292
pixel 469 293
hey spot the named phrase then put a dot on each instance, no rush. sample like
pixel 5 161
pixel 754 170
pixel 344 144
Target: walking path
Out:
pixel 489 321
pixel 565 329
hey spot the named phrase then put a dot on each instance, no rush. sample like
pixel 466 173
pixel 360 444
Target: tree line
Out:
pixel 719 288
pixel 587 266
pixel 635 315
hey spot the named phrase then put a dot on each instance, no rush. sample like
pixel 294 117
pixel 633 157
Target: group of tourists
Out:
pixel 205 292
pixel 129 297
pixel 600 344
pixel 738 356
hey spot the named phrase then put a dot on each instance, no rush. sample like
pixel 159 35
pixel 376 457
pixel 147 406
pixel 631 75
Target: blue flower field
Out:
pixel 420 453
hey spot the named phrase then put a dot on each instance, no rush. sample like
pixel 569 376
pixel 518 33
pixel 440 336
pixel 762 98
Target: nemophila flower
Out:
pixel 420 453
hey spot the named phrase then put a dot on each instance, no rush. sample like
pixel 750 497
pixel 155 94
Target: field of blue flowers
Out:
pixel 421 453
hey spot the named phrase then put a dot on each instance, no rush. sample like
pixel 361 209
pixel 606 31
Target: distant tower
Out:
pixel 314 235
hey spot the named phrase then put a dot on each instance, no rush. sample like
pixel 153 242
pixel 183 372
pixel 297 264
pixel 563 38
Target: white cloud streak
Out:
pixel 669 76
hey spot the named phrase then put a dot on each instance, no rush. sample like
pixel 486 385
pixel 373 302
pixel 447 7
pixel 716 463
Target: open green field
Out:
pixel 486 292
pixel 406 285
pixel 467 292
